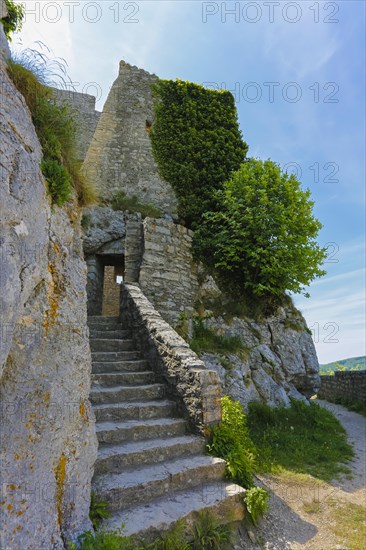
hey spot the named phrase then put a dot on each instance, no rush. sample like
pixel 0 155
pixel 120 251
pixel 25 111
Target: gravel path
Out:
pixel 303 510
pixel 355 426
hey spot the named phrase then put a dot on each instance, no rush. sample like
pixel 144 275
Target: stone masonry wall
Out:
pixel 196 388
pixel 120 156
pixel 168 275
pixel 344 384
pixel 111 291
pixel 84 114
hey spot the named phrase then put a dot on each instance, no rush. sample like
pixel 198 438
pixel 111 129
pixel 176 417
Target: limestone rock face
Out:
pixel 48 441
pixel 104 230
pixel 120 156
pixel 278 361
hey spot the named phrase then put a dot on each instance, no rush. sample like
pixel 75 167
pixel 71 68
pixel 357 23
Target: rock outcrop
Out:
pixel 48 442
pixel 278 360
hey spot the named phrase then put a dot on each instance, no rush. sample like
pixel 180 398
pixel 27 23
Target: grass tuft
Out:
pixel 207 340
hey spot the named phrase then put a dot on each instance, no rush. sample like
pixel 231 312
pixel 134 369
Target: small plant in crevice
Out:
pixel 121 201
pixel 256 503
pixel 98 510
pixel 230 440
pixel 207 340
pixel 209 533
pixel 182 327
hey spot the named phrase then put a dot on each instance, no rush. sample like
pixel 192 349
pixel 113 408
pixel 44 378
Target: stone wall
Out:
pixel 196 388
pixel 111 291
pixel 120 156
pixel 344 385
pixel 47 438
pixel 85 116
pixel 168 275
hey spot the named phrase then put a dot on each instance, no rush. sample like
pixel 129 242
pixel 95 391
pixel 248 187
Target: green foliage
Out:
pixel 120 201
pixel 55 130
pixel 175 539
pixel 230 440
pixel 182 327
pixel 98 510
pixel 207 340
pixel 262 239
pixel 209 533
pixel 255 500
pixel 353 363
pixel 58 181
pixel 304 438
pixel 14 20
pixel 106 540
pixel 196 142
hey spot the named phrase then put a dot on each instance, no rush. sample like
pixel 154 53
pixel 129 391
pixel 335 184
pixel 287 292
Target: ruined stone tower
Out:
pixel 120 156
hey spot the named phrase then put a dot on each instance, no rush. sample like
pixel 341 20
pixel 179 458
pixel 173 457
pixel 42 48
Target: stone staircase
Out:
pixel 149 469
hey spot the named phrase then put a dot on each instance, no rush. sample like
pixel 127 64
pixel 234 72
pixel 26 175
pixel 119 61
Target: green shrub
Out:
pixel 207 340
pixel 209 533
pixel 255 242
pixel 304 438
pixel 196 142
pixel 14 20
pixel 55 129
pixel 255 500
pixel 230 440
pixel 120 201
pixel 98 510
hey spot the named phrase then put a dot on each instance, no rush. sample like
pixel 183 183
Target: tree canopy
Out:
pixel 262 238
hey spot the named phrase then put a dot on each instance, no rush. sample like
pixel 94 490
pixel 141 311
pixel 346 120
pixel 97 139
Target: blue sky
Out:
pixel 297 72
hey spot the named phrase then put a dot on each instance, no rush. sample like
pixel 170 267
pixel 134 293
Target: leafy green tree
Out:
pixel 14 20
pixel 262 240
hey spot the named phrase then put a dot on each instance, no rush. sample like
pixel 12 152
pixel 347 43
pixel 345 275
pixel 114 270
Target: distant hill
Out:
pixel 353 363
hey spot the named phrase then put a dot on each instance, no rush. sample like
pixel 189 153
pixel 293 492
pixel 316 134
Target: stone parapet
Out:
pixel 196 389
pixel 349 385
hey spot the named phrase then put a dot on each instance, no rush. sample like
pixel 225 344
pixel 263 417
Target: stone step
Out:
pixel 114 459
pixel 104 344
pixel 127 393
pixel 106 379
pixel 112 334
pixel 103 320
pixel 134 365
pixel 150 482
pixel 137 430
pixel 106 356
pixel 115 412
pixel 223 499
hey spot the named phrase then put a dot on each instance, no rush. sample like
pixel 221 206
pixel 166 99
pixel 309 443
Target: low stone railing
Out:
pixel 350 385
pixel 195 388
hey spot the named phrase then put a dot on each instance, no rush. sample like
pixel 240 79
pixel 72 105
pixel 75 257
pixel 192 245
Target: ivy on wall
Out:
pixel 196 142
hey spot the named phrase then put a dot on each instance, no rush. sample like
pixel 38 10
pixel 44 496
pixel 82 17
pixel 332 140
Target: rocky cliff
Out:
pixel 48 440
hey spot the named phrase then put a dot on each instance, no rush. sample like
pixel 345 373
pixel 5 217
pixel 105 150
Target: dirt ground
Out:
pixel 309 514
